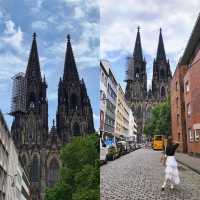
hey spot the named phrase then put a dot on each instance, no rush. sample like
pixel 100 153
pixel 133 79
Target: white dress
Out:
pixel 171 171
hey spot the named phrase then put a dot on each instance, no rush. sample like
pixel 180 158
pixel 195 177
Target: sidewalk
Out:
pixel 189 161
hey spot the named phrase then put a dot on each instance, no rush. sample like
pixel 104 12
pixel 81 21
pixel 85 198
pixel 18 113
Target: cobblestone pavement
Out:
pixel 139 176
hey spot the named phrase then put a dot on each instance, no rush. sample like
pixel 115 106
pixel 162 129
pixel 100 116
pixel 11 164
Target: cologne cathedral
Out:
pixel 139 98
pixel 38 147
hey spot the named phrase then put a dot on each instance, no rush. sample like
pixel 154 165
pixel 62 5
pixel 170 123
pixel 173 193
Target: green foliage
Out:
pixel 160 122
pixel 80 174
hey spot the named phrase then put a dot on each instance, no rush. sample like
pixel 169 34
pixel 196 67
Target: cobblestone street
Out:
pixel 139 175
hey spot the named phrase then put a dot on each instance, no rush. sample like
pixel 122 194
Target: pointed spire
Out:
pixel 44 79
pixel 137 54
pixel 161 50
pixel 70 70
pixel 33 67
pixel 53 128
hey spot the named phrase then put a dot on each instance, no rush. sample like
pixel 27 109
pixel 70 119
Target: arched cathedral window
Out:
pixel 137 73
pixel 76 129
pixel 162 92
pixel 74 102
pixel 35 169
pixel 53 172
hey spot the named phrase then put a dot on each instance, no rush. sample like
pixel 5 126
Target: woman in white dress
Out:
pixel 171 170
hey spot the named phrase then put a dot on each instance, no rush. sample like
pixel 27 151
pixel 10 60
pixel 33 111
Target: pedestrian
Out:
pixel 171 170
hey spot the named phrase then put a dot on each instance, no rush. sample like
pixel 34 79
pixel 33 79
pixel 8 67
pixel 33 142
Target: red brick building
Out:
pixel 178 107
pixel 185 96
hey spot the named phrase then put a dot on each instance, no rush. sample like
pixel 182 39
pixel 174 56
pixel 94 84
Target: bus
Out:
pixel 158 142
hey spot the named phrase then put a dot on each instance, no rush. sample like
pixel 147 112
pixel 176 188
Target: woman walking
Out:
pixel 171 170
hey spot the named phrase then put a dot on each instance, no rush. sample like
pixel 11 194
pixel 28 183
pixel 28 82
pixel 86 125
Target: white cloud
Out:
pixel 39 25
pixel 12 36
pixel 119 24
pixel 78 13
pixel 10 27
pixel 35 5
pixel 10 65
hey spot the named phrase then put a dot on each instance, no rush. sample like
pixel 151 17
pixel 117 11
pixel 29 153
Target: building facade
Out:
pixel 103 94
pixel 38 147
pixel 140 100
pixel 122 114
pixel 189 67
pixel 108 100
pixel 14 182
pixel 116 118
pixel 4 156
pixel 177 99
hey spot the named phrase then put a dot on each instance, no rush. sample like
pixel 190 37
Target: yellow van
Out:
pixel 158 142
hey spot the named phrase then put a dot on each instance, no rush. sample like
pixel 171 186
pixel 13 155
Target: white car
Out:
pixel 103 152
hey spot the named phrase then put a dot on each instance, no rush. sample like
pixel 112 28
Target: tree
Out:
pixel 80 174
pixel 160 122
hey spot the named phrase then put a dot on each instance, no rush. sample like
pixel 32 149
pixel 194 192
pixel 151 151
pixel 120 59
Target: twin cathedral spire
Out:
pixel 136 79
pixel 139 98
pixel 38 147
pixel 74 112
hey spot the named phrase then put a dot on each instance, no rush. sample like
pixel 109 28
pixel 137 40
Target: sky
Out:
pixel 118 27
pixel 52 21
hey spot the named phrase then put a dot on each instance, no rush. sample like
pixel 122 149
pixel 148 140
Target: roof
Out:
pixel 192 43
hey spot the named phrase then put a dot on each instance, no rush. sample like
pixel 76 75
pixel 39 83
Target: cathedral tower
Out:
pixel 30 128
pixel 39 149
pixel 136 87
pixel 74 113
pixel 161 72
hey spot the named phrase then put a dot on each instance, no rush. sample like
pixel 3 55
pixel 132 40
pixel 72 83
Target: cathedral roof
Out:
pixel 33 67
pixel 161 50
pixel 70 69
pixel 137 54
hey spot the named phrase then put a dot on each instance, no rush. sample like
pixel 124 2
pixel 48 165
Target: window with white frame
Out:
pixel 191 136
pixel 197 135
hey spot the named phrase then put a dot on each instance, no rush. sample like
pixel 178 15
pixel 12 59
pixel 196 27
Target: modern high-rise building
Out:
pixel 18 93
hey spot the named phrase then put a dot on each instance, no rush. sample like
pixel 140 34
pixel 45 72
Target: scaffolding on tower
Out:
pixel 18 102
pixel 130 69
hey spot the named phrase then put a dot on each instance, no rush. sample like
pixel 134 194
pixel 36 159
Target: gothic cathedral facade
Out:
pixel 139 98
pixel 38 147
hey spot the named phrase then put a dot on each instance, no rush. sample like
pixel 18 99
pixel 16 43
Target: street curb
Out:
pixel 118 158
pixel 195 170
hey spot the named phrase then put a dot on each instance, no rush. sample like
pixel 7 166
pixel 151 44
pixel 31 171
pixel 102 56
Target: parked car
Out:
pixel 113 153
pixel 133 146
pixel 128 147
pixel 103 152
pixel 122 146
